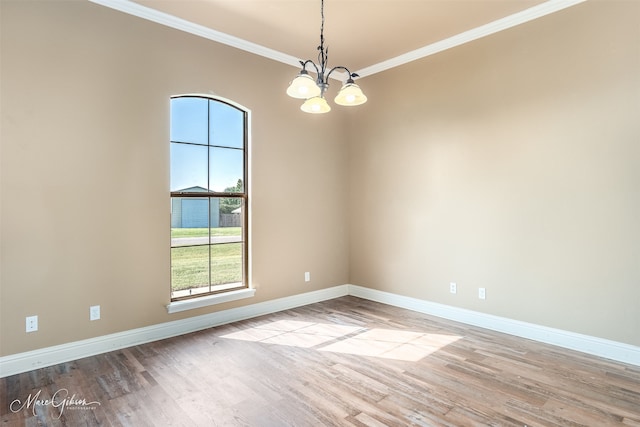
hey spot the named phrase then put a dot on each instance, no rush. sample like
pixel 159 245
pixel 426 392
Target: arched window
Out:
pixel 209 196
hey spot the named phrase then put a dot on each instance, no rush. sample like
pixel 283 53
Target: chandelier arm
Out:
pixel 308 61
pixel 340 67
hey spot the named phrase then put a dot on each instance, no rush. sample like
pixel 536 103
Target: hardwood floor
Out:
pixel 344 362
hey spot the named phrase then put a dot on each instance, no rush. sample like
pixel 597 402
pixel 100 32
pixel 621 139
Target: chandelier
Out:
pixel 312 90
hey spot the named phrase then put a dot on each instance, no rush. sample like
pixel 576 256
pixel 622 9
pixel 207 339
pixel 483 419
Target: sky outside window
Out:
pixel 207 141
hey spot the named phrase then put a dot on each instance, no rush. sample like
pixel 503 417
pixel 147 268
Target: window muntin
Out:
pixel 209 249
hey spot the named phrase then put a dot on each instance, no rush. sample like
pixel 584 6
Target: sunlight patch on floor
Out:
pixel 293 333
pixel 385 343
pixel 393 344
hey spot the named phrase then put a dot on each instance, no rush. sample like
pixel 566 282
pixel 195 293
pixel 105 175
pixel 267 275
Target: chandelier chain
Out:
pixel 323 53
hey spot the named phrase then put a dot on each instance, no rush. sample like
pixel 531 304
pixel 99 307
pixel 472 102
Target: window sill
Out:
pixel 177 306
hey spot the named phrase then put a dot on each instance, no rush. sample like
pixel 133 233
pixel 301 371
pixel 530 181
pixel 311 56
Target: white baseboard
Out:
pixel 23 362
pixel 584 343
pixel 27 361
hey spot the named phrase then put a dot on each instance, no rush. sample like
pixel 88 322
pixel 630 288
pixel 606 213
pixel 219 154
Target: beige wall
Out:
pixel 85 171
pixel 510 163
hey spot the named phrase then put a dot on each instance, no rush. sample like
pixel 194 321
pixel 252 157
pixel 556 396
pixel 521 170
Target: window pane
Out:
pixel 214 209
pixel 188 167
pixel 195 213
pixel 192 220
pixel 189 120
pixel 189 268
pixel 226 263
pixel 182 236
pixel 226 169
pixel 230 221
pixel 226 125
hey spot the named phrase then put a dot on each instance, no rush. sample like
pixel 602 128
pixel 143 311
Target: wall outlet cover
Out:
pixel 32 323
pixel 94 312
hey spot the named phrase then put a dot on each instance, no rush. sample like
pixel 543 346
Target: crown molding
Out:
pixel 510 21
pixel 171 21
pixel 168 20
pixel 153 15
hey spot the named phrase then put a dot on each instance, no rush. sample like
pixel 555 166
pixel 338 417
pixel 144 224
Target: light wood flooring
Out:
pixel 343 362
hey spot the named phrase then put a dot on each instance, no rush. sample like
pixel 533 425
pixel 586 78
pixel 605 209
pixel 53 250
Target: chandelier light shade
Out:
pixel 303 86
pixel 350 94
pixel 316 105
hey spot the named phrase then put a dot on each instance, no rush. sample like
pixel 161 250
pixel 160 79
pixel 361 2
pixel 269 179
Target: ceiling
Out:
pixel 367 36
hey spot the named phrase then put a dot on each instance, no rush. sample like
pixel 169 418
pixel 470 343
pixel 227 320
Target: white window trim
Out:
pixel 193 303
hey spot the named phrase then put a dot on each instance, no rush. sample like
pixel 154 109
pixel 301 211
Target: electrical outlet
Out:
pixel 453 288
pixel 94 312
pixel 32 323
pixel 482 293
pixel 307 277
